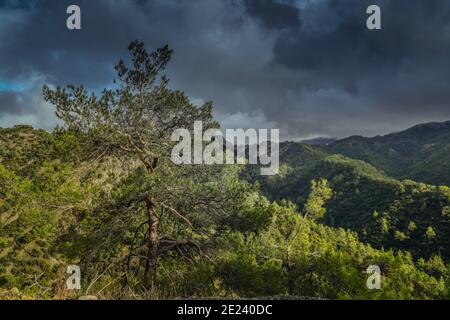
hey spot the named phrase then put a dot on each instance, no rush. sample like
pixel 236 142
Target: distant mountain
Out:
pixel 368 196
pixel 420 153
pixel 319 141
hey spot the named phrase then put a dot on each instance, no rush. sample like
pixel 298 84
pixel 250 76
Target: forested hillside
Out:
pixel 420 153
pixel 65 213
pixel 101 192
pixel 385 212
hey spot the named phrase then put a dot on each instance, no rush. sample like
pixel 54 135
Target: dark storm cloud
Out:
pixel 15 4
pixel 345 53
pixel 274 15
pixel 400 72
pixel 42 42
pixel 309 67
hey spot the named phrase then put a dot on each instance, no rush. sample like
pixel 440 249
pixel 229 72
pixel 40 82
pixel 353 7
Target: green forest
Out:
pixel 101 192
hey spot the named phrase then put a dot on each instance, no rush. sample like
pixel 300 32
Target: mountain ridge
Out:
pixel 420 153
pixel 384 188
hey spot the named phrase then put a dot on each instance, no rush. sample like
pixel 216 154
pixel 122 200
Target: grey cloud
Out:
pixel 26 106
pixel 309 67
pixel 10 103
pixel 274 15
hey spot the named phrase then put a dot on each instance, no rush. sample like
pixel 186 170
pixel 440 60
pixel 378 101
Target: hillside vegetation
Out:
pixel 420 153
pixel 101 192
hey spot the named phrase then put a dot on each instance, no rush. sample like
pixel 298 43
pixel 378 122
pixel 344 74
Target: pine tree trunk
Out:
pixel 153 245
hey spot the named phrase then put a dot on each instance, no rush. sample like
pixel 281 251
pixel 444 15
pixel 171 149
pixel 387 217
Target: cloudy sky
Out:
pixel 308 67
